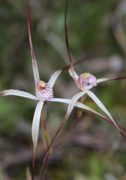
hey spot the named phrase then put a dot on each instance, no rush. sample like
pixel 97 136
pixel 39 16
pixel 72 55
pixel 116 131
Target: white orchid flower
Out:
pixel 85 82
pixel 43 90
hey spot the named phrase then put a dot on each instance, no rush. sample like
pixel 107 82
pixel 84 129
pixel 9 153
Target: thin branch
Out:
pixel 33 166
pixel 66 33
pixel 122 130
pixel 117 78
pixel 75 63
pixel 69 133
pixel 44 166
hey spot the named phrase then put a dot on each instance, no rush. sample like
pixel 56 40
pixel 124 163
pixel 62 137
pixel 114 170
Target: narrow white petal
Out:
pixel 13 92
pixel 99 103
pixel 35 71
pixel 54 77
pixel 36 124
pixel 78 104
pixel 85 107
pixel 60 100
pixel 73 74
pixel 34 61
pixel 73 102
pixel 71 105
pixel 102 80
pixel 101 106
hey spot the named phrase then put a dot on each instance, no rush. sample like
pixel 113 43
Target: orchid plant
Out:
pixel 43 91
pixel 85 82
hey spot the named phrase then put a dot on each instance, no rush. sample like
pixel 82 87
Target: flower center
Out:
pixel 86 80
pixel 44 91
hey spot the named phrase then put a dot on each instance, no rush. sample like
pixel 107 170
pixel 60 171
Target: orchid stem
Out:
pixel 74 64
pixel 117 78
pixel 66 34
pixel 74 125
pixel 45 134
pixel 48 153
pixel 44 166
pixel 33 165
pixel 46 140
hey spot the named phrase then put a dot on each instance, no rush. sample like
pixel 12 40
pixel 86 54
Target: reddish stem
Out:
pixel 118 78
pixel 66 33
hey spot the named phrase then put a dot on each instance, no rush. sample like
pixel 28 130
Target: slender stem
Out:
pixel 44 166
pixel 121 130
pixel 75 63
pixel 46 140
pixel 117 78
pixel 77 120
pixel 54 137
pixel 79 61
pixel 47 154
pixel 66 33
pixel 43 123
pixel 74 125
pixel 33 165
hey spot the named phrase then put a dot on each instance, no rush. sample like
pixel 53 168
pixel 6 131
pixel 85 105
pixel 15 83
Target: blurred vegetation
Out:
pixel 95 150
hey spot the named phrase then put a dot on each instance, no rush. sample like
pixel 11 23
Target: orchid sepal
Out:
pixel 36 124
pixel 33 56
pixel 54 77
pixel 101 106
pixel 13 92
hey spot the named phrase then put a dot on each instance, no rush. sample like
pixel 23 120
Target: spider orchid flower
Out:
pixel 85 82
pixel 43 90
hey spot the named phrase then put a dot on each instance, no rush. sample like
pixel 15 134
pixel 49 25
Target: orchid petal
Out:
pixel 78 104
pixel 60 100
pixel 82 106
pixel 87 108
pixel 34 61
pixel 36 123
pixel 54 77
pixel 102 80
pixel 73 102
pixel 73 74
pixel 13 92
pixel 101 106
